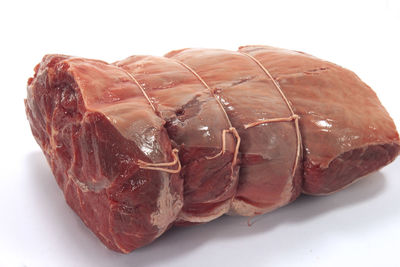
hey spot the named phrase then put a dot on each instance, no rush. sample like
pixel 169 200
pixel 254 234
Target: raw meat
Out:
pixel 346 131
pixel 195 124
pixel 269 150
pixel 93 124
pixel 148 142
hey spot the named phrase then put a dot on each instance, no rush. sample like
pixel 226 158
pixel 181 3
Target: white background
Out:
pixel 359 226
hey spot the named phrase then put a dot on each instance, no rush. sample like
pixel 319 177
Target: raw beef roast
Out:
pixel 148 142
pixel 270 175
pixel 94 125
pixel 194 122
pixel 346 132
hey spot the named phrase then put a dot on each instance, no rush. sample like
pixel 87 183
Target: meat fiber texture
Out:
pixel 148 142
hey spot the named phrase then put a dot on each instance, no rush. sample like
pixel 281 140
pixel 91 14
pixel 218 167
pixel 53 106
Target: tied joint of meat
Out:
pixel 142 144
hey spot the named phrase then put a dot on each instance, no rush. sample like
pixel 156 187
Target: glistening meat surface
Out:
pixel 148 142
pixel 346 131
pixel 269 164
pixel 195 124
pixel 93 125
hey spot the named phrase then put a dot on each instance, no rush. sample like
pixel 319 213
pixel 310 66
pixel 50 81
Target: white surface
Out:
pixel 356 227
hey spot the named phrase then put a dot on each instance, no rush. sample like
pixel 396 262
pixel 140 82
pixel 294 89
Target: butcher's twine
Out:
pixel 149 165
pixel 158 166
pixel 294 117
pixel 232 130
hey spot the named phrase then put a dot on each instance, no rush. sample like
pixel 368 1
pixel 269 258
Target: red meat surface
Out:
pixel 346 131
pixel 148 142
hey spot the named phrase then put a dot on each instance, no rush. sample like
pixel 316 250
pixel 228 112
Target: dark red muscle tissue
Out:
pixel 148 142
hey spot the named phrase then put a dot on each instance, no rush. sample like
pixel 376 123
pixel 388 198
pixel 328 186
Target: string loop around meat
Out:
pixel 237 136
pixel 159 166
pixel 223 146
pixel 234 132
pixel 155 166
pixel 293 116
pixel 231 129
pixel 141 89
